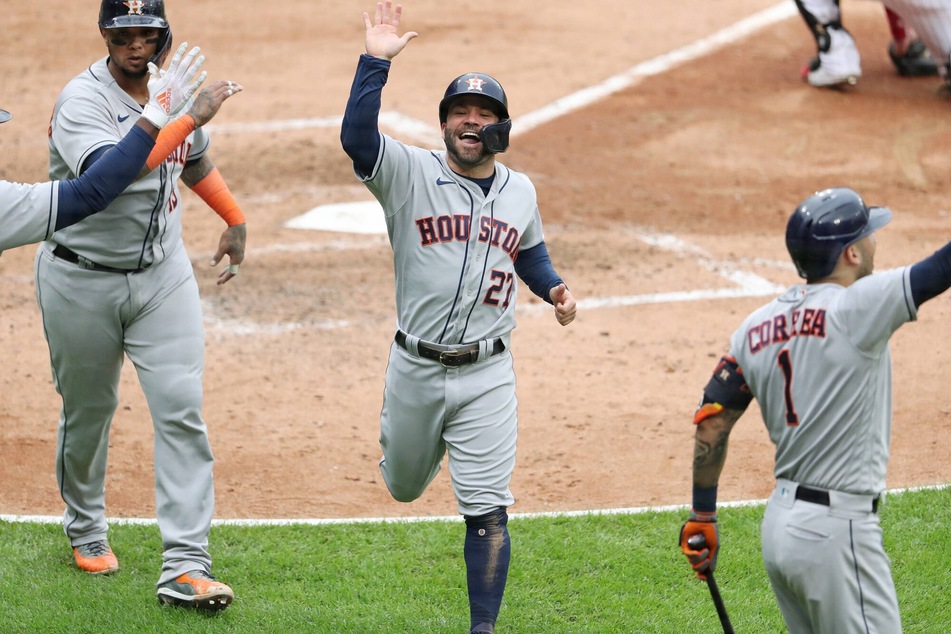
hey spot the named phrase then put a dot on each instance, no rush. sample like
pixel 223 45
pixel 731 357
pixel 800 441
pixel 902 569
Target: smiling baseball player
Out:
pixel 462 227
pixel 31 213
pixel 817 361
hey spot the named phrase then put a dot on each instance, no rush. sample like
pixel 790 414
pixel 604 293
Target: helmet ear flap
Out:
pixel 164 45
pixel 495 136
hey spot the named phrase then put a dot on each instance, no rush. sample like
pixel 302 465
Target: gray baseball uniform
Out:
pixel 121 283
pixel 817 361
pixel 457 220
pixel 454 250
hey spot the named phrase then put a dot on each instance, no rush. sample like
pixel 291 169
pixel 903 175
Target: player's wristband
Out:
pixel 169 139
pixel 214 191
pixel 705 499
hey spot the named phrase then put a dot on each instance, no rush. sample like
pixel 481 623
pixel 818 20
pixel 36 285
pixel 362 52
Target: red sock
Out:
pixel 897 26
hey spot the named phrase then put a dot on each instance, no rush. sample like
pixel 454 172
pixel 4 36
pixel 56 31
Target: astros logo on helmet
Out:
pixel 475 83
pixel 124 14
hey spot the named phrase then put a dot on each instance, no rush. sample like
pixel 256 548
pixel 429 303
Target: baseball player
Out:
pixel 462 227
pixel 121 283
pixel 31 213
pixel 838 61
pixel 817 361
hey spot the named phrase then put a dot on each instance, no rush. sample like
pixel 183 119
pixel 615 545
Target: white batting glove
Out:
pixel 169 90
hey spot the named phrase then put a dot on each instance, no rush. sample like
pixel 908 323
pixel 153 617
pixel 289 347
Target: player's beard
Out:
pixel 133 74
pixel 464 155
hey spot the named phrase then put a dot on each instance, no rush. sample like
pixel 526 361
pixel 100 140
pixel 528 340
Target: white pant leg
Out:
pixel 931 19
pixel 824 11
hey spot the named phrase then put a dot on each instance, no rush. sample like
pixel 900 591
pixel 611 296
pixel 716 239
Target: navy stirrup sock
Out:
pixel 487 553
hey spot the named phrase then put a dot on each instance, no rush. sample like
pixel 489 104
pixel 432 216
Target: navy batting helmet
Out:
pixel 824 224
pixel 495 136
pixel 124 14
pixel 5 116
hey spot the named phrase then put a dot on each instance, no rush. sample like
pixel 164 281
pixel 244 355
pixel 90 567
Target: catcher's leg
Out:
pixel 906 50
pixel 487 553
pixel 838 61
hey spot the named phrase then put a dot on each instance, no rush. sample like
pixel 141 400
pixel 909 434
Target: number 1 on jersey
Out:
pixel 785 364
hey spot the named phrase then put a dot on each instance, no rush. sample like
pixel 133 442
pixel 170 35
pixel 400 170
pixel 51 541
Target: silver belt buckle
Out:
pixel 453 358
pixel 86 263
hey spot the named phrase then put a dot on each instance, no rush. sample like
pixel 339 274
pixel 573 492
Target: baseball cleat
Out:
pixel 196 589
pixel 839 65
pixel 96 558
pixel 916 62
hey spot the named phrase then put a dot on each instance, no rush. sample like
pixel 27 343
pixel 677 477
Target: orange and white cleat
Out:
pixel 96 558
pixel 196 589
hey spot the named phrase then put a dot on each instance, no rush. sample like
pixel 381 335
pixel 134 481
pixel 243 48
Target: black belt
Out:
pixel 450 358
pixel 71 256
pixel 818 496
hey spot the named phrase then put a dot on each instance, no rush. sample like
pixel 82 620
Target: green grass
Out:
pixel 591 573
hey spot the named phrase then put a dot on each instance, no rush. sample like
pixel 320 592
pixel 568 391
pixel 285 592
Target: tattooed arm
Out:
pixel 710 445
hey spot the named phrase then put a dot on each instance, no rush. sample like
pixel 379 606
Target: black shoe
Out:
pixel 916 62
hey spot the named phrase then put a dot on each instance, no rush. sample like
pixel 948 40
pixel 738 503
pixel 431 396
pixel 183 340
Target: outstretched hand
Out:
pixel 382 37
pixel 565 305
pixel 209 100
pixel 170 91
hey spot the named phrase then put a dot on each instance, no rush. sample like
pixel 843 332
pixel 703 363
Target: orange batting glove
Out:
pixel 702 559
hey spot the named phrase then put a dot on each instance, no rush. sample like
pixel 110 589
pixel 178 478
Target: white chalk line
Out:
pixel 364 220
pixel 424 131
pixel 146 521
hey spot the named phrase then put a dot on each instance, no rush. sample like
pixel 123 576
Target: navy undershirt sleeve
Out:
pixel 534 267
pixel 360 130
pixel 932 276
pixel 95 156
pixel 106 178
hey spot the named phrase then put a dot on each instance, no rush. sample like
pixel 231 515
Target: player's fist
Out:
pixel 565 305
pixel 702 558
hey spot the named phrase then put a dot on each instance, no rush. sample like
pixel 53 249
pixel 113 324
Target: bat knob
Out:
pixel 697 542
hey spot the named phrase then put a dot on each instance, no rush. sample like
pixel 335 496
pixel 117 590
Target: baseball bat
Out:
pixel 699 542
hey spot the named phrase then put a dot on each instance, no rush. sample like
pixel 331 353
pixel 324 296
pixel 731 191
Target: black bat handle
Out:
pixel 699 542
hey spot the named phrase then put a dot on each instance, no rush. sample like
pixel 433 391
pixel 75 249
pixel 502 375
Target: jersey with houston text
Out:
pixel 144 222
pixel 454 248
pixel 817 360
pixel 27 213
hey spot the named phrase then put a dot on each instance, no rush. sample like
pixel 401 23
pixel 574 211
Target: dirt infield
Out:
pixel 651 197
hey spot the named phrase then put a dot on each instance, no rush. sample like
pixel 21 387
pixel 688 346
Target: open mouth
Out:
pixel 471 137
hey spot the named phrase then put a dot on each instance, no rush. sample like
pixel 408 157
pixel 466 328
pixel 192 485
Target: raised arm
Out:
pixel 170 91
